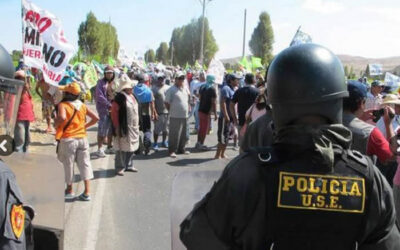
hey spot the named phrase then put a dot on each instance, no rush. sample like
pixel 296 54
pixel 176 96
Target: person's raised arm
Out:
pixel 93 118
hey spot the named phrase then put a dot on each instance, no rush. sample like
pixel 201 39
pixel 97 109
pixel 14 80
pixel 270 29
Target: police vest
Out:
pixel 360 130
pixel 311 208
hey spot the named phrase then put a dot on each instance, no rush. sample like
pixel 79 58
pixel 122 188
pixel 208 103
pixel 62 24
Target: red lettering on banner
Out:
pixel 38 54
pixel 53 76
pixel 42 23
pixel 32 53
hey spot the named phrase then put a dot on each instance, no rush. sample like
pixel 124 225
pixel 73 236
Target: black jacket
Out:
pixel 282 196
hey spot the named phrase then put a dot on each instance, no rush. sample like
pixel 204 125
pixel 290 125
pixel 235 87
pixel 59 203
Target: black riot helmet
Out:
pixel 306 79
pixel 6 67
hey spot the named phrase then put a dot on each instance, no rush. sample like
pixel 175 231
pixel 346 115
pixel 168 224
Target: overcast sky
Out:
pixel 368 28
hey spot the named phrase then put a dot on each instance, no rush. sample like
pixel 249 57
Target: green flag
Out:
pixel 245 64
pixel 256 62
pixel 197 65
pixel 187 66
pixel 98 65
pixel 90 77
pixel 111 61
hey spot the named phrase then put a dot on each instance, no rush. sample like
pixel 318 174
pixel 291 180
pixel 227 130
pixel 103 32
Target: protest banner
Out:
pixel 44 44
pixel 90 77
pixel 375 69
pixel 392 81
pixel 217 69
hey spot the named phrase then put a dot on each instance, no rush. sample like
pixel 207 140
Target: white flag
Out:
pixel 375 69
pixel 300 37
pixel 124 58
pixel 44 44
pixel 217 69
pixel 392 81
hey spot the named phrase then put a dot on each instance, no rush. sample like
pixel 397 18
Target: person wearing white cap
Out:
pixel 104 95
pixel 125 118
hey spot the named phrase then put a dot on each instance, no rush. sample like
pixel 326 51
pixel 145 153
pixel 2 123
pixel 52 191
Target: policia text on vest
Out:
pixel 321 192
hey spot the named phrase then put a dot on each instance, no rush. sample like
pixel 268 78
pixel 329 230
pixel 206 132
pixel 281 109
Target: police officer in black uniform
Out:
pixel 307 191
pixel 16 231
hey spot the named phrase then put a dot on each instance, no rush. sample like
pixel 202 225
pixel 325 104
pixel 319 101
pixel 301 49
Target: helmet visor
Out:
pixel 10 95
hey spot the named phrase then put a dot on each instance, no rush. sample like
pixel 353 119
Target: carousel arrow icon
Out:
pixel 2 145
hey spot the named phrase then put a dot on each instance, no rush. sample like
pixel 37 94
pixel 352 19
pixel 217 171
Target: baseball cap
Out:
pixel 356 89
pixel 108 69
pixel 160 75
pixel 72 88
pixel 179 74
pixel 377 83
pixel 236 76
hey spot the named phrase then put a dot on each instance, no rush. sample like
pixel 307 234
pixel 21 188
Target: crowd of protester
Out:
pixel 135 107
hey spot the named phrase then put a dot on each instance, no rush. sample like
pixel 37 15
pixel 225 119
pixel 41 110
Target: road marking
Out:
pixel 97 208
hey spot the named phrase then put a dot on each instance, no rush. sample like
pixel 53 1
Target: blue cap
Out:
pixel 356 89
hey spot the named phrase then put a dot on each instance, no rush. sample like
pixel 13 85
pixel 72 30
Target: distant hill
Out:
pixel 358 63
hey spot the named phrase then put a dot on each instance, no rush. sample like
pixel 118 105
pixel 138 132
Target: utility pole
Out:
pixel 172 53
pixel 203 2
pixel 244 33
pixel 202 35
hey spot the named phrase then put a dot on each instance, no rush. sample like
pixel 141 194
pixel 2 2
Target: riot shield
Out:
pixel 188 188
pixel 41 180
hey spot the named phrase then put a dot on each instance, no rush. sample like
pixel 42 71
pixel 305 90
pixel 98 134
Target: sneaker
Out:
pixel 120 172
pixel 110 151
pixel 172 155
pixel 84 197
pixel 132 169
pixel 164 144
pixel 100 153
pixel 204 148
pixel 155 146
pixel 198 145
pixel 184 152
pixel 69 196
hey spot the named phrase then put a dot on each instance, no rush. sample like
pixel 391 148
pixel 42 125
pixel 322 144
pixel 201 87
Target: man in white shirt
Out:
pixel 374 97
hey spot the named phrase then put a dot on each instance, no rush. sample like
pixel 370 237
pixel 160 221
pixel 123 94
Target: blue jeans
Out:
pixel 196 115
pixel 22 136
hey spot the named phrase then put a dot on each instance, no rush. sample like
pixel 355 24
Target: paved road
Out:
pixel 132 211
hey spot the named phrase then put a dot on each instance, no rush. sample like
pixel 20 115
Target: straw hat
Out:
pixel 391 99
pixel 125 83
